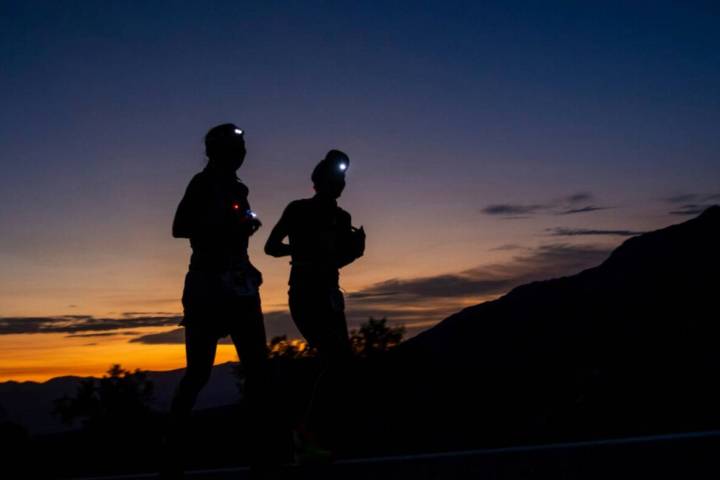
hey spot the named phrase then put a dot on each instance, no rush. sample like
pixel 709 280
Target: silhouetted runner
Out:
pixel 221 294
pixel 321 241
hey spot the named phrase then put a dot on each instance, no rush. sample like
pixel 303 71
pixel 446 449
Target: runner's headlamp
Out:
pixel 332 168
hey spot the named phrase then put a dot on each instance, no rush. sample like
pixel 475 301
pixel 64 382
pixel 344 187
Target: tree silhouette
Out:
pixel 120 399
pixel 294 362
pixel 374 337
pixel 281 347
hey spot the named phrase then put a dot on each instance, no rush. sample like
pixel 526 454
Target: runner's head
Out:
pixel 328 177
pixel 225 147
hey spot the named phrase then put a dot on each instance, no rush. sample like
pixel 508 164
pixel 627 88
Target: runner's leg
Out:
pixel 200 353
pixel 200 348
pixel 251 346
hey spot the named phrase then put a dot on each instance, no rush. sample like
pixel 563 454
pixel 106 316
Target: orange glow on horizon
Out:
pixel 40 357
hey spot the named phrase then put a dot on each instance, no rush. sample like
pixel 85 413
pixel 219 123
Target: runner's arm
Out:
pixel 275 246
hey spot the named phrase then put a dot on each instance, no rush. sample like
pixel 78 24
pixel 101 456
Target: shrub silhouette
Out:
pixel 375 337
pixel 282 348
pixel 294 364
pixel 119 400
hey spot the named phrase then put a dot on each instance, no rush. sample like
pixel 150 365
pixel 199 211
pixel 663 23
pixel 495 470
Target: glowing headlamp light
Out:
pixel 238 131
pixel 342 167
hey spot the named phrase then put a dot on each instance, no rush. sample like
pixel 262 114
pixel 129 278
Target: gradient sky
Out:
pixel 492 143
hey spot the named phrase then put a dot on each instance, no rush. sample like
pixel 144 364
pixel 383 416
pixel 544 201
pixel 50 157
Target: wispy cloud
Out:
pixel 577 232
pixel 587 209
pixel 692 203
pixel 542 262
pixel 419 298
pixel 75 324
pixel 174 336
pixel 692 197
pixel 513 210
pixel 507 247
pixel 690 209
pixel 102 334
pixel 577 203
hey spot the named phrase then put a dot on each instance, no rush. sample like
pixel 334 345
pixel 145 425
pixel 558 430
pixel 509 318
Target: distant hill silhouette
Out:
pixel 631 346
pixel 30 403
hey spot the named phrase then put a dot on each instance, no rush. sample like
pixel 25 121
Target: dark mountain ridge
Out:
pixel 627 347
pixel 674 269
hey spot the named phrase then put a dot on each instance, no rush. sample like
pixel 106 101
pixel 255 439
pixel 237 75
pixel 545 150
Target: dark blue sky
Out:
pixel 608 108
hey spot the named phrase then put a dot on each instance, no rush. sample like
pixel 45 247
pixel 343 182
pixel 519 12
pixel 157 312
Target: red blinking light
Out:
pixel 236 206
